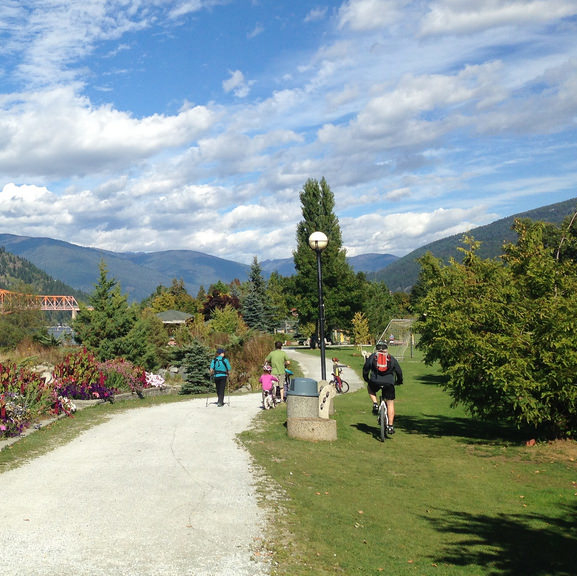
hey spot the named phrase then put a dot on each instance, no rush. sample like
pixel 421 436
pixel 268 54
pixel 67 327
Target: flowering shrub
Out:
pixel 80 377
pixel 124 375
pixel 24 396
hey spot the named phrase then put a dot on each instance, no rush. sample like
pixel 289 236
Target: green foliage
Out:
pixel 277 291
pixel 176 297
pixel 361 330
pixel 196 362
pixel 227 320
pixel 378 307
pixel 504 331
pixel 342 289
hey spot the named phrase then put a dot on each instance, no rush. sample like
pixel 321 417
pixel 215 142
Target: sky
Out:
pixel 151 125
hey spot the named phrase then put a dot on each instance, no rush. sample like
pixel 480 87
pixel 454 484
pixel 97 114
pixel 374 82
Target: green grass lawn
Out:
pixel 445 496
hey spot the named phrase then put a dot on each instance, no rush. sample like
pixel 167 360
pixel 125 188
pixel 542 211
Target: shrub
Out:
pixel 124 376
pixel 24 397
pixel 80 377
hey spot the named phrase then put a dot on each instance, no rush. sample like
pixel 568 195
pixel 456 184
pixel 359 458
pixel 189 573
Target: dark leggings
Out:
pixel 220 382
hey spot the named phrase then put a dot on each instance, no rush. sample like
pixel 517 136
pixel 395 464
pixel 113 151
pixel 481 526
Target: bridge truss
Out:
pixel 14 301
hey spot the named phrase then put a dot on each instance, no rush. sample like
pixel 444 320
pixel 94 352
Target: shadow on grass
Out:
pixel 374 431
pixel 431 380
pixel 528 544
pixel 434 425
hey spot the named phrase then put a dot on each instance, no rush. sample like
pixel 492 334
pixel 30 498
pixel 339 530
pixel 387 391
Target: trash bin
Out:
pixel 303 398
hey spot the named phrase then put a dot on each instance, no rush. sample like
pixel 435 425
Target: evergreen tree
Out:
pixel 256 308
pixel 341 289
pixel 196 364
pixel 104 328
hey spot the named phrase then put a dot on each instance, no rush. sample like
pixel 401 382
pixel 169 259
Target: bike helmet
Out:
pixel 381 346
pixel 267 368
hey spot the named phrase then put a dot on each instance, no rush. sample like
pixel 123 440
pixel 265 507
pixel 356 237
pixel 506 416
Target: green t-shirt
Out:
pixel 277 359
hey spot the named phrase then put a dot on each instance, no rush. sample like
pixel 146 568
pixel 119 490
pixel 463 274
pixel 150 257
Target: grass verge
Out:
pixel 446 496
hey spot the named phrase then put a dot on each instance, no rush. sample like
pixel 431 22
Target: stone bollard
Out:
pixel 326 395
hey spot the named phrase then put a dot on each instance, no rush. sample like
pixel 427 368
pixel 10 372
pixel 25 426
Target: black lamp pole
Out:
pixel 321 315
pixel 318 242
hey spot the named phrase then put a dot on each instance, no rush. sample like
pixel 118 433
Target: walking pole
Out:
pixel 228 390
pixel 211 382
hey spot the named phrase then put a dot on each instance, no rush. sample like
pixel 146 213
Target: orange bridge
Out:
pixel 12 301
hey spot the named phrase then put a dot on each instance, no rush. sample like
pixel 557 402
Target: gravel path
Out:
pixel 160 491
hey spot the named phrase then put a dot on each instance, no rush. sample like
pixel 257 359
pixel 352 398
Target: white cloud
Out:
pixel 237 84
pixel 464 17
pixel 57 133
pixel 316 14
pixel 363 15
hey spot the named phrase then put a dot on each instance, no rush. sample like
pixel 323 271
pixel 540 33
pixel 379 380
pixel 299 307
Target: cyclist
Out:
pixel 381 371
pixel 268 381
pixel 337 371
pixel 279 360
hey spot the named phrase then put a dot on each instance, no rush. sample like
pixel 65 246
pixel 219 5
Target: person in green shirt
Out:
pixel 279 360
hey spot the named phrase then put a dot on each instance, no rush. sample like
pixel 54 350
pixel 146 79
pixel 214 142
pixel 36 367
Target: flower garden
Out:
pixel 27 397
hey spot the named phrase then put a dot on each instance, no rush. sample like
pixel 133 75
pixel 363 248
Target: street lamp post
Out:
pixel 318 242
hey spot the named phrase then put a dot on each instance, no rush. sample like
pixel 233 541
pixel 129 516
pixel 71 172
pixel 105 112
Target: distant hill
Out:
pixel 404 272
pixel 138 273
pixel 16 271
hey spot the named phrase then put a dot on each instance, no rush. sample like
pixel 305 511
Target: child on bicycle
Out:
pixel 381 371
pixel 267 382
pixel 337 370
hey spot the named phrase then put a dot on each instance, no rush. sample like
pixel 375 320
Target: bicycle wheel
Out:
pixel 344 386
pixel 383 420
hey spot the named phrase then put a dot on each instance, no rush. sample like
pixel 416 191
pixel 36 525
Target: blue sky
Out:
pixel 134 125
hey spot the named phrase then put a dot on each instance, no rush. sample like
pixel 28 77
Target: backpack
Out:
pixel 381 362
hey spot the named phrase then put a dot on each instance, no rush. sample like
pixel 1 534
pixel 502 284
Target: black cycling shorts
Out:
pixel 388 390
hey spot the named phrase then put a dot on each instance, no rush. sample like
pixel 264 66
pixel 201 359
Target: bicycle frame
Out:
pixel 383 419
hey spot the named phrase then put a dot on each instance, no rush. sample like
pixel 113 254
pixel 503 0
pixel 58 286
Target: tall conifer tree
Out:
pixel 341 289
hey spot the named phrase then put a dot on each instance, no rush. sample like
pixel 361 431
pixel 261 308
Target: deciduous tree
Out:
pixel 504 331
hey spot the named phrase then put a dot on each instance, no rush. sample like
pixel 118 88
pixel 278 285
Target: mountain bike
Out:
pixel 342 386
pixel 383 419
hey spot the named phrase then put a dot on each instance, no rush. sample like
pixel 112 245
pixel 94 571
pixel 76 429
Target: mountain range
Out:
pixel 140 273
